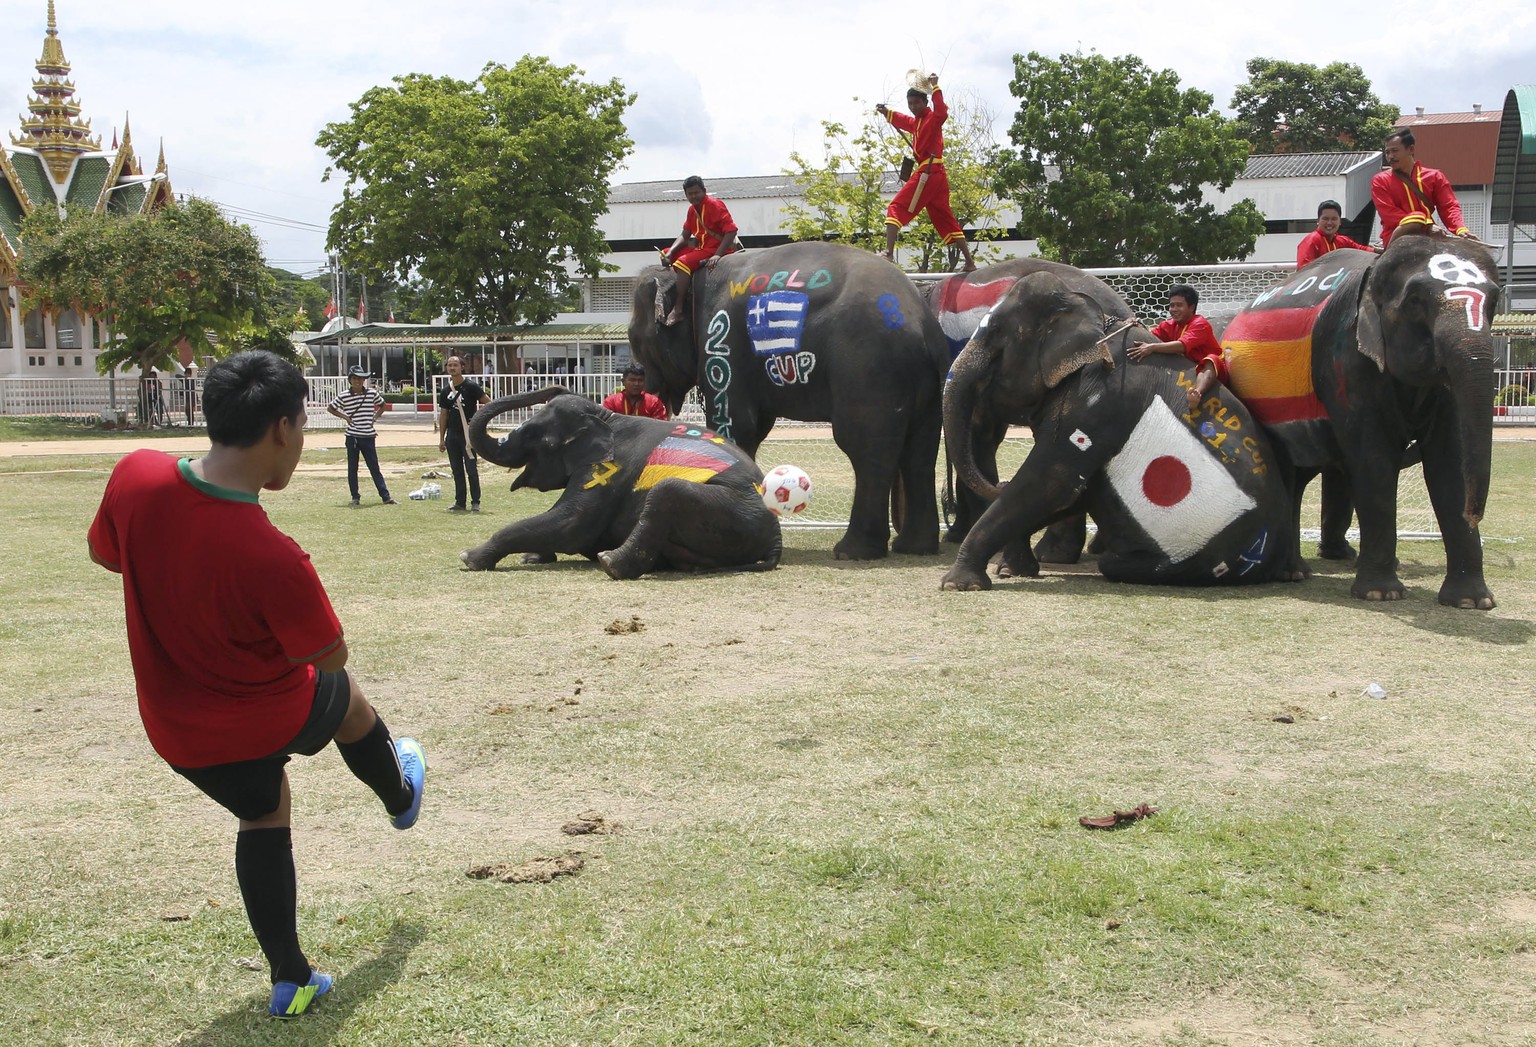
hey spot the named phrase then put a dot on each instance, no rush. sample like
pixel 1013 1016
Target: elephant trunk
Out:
pixel 498 452
pixel 1471 383
pixel 971 370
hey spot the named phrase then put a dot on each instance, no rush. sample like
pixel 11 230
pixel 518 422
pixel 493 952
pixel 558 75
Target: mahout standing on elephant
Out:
pixel 926 188
pixel 639 494
pixel 820 333
pixel 1181 497
pixel 1360 362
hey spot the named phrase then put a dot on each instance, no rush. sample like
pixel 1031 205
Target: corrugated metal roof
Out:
pixel 85 187
pixel 1461 145
pixel 755 187
pixel 381 334
pixel 1514 323
pixel 1514 176
pixel 1307 165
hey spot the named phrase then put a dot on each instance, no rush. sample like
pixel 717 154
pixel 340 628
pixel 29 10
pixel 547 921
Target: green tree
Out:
pixel 846 194
pixel 487 190
pixel 1112 161
pixel 157 280
pixel 1293 107
pixel 295 293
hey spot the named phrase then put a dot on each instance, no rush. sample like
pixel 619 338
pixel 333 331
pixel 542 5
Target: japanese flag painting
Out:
pixel 1173 485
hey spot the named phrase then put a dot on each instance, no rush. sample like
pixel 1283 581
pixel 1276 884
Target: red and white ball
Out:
pixel 787 490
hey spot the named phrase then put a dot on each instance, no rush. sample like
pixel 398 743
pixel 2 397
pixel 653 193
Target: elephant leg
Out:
pixel 1338 510
pixel 1038 494
pixel 874 460
pixel 1063 541
pixel 918 529
pixel 571 525
pixel 1375 491
pixel 1464 585
pixel 694 526
pixel 986 438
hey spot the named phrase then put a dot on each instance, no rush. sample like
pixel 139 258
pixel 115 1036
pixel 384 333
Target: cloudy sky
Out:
pixel 239 92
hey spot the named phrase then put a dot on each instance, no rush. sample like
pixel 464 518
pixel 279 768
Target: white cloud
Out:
pixel 239 92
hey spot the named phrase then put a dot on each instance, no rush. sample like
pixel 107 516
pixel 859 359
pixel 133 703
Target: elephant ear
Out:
pixel 1368 334
pixel 1060 362
pixel 588 442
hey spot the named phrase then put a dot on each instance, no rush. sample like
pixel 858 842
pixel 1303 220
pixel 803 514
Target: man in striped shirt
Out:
pixel 359 406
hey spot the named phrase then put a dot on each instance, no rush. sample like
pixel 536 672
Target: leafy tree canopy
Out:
pixel 845 195
pixel 485 189
pixel 155 280
pixel 1293 107
pixel 1112 161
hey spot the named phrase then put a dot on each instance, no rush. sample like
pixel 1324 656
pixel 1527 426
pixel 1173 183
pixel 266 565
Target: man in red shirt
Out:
pixel 633 399
pixel 1326 237
pixel 1407 194
pixel 928 187
pixel 708 235
pixel 1189 334
pixel 238 658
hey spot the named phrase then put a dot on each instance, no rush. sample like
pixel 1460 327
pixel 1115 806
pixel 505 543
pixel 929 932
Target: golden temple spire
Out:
pixel 160 164
pixel 54 129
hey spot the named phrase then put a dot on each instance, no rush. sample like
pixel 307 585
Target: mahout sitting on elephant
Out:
pixel 820 333
pixel 1181 496
pixel 1366 362
pixel 640 494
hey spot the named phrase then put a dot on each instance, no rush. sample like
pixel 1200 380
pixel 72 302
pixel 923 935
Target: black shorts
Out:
pixel 252 789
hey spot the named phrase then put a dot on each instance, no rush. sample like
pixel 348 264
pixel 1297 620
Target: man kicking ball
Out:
pixel 238 658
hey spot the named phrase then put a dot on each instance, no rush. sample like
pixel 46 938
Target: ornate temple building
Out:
pixel 55 161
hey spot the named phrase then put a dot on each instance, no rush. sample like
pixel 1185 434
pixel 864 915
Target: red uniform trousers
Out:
pixel 935 201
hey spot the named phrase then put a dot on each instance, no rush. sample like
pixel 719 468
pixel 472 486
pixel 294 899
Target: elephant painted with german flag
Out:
pixel 1365 363
pixel 638 494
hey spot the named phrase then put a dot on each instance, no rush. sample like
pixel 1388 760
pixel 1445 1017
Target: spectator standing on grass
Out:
pixel 456 405
pixel 360 406
pixel 238 658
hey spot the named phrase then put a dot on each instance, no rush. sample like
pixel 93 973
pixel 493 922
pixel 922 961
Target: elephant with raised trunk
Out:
pixel 820 333
pixel 639 494
pixel 1181 496
pixel 1364 362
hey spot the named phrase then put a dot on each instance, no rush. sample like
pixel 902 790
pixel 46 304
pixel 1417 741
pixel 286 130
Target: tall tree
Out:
pixel 1293 107
pixel 845 195
pixel 1113 160
pixel 486 189
pixel 157 280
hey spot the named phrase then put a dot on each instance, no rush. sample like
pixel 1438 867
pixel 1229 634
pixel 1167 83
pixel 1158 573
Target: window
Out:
pixel 66 331
pixel 33 330
pixel 77 361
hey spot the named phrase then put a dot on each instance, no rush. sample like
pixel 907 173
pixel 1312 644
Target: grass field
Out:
pixel 843 804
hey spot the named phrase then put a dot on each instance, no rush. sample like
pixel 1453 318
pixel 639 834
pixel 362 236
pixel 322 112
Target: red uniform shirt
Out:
pixel 1316 245
pixel 225 612
pixel 710 227
pixel 1198 339
pixel 927 131
pixel 1396 204
pixel 650 405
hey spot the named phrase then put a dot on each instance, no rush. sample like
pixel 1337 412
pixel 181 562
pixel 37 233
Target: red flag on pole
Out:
pixel 362 310
pixel 330 309
pixel 391 314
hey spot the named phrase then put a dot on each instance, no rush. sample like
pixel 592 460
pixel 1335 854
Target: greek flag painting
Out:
pixel 775 323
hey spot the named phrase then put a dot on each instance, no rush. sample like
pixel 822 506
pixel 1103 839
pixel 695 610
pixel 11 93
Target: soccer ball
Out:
pixel 787 490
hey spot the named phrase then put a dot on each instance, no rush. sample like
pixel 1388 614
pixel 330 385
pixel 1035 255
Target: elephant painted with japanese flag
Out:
pixel 1180 496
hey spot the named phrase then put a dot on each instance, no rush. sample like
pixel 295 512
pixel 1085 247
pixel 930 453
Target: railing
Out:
pixel 177 400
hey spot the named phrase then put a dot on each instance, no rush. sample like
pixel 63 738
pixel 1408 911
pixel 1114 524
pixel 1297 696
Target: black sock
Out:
pixel 372 758
pixel 270 889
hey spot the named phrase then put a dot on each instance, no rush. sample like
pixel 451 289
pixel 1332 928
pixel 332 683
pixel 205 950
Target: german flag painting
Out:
pixel 1269 363
pixel 696 460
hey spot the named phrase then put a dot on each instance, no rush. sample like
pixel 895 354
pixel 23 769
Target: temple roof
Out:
pixel 54 129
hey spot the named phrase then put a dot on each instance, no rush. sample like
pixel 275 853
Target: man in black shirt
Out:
pixel 456 405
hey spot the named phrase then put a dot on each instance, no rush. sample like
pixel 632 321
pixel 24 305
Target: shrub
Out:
pixel 1512 396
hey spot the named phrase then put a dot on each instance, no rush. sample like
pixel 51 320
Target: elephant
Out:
pixel 1182 496
pixel 816 332
pixel 1363 363
pixel 639 494
pixel 960 302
